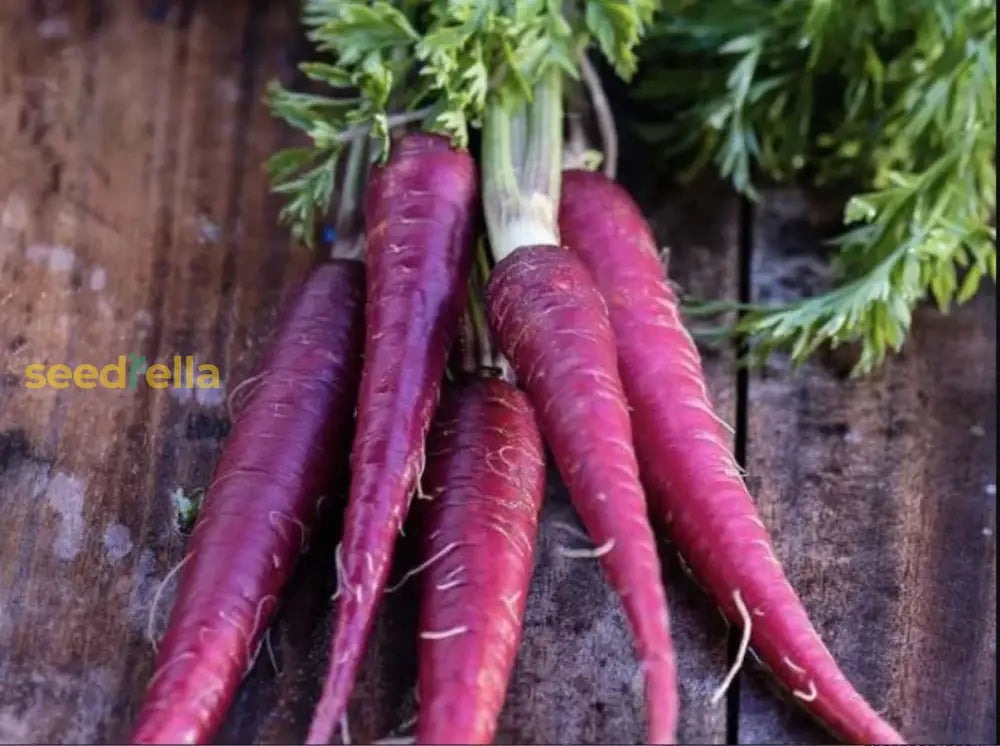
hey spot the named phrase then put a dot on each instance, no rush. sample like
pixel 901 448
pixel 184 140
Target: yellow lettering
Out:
pixel 189 372
pixel 158 376
pixel 119 368
pixel 85 376
pixel 59 376
pixel 35 374
pixel 208 377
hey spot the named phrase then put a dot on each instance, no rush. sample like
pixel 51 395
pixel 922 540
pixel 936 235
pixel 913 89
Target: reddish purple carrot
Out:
pixel 288 444
pixel 551 324
pixel 485 479
pixel 420 217
pixel 693 481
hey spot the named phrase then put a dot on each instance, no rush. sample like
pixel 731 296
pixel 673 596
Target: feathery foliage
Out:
pixel 896 95
pixel 439 64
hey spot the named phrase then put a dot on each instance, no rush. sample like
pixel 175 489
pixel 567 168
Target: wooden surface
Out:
pixel 134 218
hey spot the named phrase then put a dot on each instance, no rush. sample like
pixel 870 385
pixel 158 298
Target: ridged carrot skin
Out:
pixel 485 479
pixel 288 444
pixel 685 460
pixel 552 325
pixel 420 220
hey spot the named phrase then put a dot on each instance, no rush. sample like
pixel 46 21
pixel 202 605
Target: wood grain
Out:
pixel 880 494
pixel 134 221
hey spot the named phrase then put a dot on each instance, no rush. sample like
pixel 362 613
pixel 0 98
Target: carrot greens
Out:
pixel 895 96
pixel 437 65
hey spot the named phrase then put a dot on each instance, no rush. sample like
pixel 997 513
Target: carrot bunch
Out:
pixel 570 337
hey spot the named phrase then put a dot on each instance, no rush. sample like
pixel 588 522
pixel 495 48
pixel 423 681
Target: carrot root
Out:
pixel 486 478
pixel 687 466
pixel 552 325
pixel 419 225
pixel 289 440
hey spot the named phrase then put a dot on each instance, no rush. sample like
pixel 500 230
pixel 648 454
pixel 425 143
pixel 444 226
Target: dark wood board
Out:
pixel 881 495
pixel 135 218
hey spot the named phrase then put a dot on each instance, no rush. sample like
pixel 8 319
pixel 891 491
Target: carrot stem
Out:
pixel 542 166
pixel 521 197
pixel 469 359
pixel 482 353
pixel 602 114
pixel 349 243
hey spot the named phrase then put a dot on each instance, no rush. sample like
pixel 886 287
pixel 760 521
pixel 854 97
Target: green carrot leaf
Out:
pixel 897 97
pixel 389 63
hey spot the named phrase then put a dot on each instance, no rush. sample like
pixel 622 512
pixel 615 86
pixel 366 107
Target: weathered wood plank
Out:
pixel 880 493
pixel 135 220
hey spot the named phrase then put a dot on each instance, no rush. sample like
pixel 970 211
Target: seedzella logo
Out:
pixel 124 373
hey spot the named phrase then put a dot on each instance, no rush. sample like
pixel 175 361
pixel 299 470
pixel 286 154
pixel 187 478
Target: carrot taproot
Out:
pixel 551 324
pixel 694 483
pixel 484 482
pixel 420 218
pixel 288 442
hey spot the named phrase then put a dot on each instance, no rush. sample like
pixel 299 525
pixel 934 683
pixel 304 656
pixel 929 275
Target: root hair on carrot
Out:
pixel 808 696
pixel 702 406
pixel 792 665
pixel 172 662
pixel 410 721
pixel 252 659
pixel 423 566
pixel 595 553
pixel 509 602
pixel 151 620
pixel 418 489
pixel 496 526
pixel 270 652
pixel 450 580
pixel 339 565
pixel 231 399
pixel 709 437
pixel 342 584
pixel 685 567
pixel 443 634
pixel 768 551
pixel 258 614
pixel 276 518
pixel 740 653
